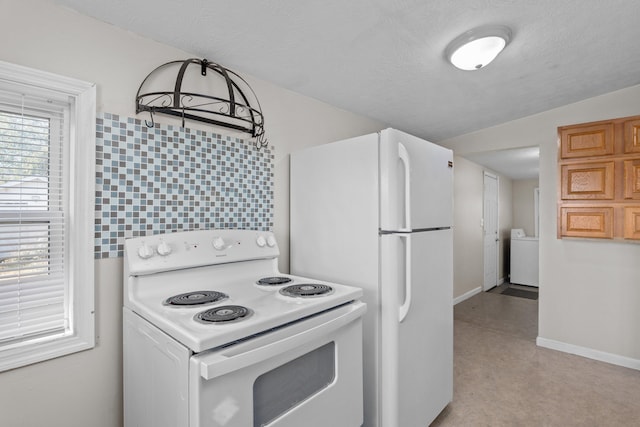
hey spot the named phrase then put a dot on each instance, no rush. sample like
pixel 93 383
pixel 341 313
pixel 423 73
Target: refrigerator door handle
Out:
pixel 404 308
pixel 403 154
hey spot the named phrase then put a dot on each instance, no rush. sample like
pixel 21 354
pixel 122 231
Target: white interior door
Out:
pixel 491 238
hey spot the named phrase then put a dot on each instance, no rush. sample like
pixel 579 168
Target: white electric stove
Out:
pixel 212 329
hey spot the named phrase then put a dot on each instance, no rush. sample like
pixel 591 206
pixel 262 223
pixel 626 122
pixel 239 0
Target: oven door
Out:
pixel 306 374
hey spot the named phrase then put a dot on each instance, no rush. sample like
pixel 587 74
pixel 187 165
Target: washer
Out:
pixel 524 258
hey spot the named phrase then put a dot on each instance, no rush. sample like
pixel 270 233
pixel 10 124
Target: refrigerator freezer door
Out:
pixel 416 183
pixel 417 352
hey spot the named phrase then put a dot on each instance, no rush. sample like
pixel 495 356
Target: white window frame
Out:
pixel 79 162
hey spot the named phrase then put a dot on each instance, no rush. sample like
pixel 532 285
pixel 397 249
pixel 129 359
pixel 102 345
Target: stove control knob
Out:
pixel 218 243
pixel 271 241
pixel 163 248
pixel 145 251
pixel 261 241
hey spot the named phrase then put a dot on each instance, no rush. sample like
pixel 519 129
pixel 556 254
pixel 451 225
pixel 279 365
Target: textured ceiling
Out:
pixel 385 58
pixel 518 163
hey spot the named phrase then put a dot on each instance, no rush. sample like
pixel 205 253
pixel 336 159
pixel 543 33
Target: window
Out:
pixel 47 170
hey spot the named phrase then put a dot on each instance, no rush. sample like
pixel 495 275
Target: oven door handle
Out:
pixel 228 360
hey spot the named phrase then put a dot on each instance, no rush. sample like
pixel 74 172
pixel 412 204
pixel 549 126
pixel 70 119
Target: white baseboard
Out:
pixel 467 295
pixel 501 281
pixel 589 353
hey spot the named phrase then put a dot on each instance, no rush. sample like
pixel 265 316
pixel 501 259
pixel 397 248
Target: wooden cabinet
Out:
pixel 587 181
pixel 632 136
pixel 594 222
pixel 599 180
pixel 586 140
pixel 632 222
pixel 632 179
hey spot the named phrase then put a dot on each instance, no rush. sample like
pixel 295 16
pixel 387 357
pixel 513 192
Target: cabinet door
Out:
pixel 586 141
pixel 632 179
pixel 599 180
pixel 594 222
pixel 632 222
pixel 632 136
pixel 588 181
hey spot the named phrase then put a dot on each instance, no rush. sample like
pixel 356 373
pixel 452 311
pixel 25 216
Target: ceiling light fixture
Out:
pixel 478 47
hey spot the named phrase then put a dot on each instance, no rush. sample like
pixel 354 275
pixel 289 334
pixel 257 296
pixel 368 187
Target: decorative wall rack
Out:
pixel 224 100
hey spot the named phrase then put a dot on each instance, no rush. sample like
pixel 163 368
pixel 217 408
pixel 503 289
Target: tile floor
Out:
pixel 501 378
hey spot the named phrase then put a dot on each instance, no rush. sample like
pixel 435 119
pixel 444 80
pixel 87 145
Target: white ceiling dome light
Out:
pixel 478 47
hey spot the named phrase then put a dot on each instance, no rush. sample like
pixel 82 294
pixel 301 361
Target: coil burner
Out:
pixel 195 298
pixel 273 281
pixel 306 290
pixel 223 314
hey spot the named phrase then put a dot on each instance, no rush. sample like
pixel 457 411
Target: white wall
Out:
pixel 467 229
pixel 468 251
pixel 523 205
pixel 85 389
pixel 589 290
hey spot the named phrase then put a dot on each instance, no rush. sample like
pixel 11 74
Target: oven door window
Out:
pixel 277 391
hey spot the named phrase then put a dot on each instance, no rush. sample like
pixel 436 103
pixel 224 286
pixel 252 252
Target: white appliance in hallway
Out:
pixel 215 336
pixel 376 212
pixel 524 258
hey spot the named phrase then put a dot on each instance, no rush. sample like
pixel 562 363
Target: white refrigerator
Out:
pixel 376 211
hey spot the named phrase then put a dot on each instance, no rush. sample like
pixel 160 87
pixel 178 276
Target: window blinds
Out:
pixel 33 286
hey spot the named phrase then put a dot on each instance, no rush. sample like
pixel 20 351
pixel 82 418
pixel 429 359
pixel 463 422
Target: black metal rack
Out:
pixel 238 108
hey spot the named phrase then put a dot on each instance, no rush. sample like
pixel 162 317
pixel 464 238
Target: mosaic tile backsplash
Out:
pixel 169 178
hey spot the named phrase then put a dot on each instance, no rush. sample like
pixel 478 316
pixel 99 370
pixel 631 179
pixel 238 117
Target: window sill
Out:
pixel 42 349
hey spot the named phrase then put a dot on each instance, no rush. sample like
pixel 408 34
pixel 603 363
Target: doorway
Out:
pixel 491 239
